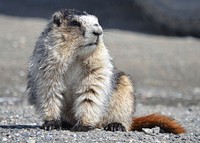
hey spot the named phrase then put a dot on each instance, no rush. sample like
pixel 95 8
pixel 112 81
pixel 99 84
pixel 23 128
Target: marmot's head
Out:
pixel 76 29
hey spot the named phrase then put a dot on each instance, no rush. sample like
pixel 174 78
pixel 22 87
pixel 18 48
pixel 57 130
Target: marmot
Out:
pixel 71 79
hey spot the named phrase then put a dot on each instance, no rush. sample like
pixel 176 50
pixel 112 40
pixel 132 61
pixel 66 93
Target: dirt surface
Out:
pixel 165 70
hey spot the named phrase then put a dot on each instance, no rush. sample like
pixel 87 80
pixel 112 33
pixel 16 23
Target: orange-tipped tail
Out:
pixel 164 122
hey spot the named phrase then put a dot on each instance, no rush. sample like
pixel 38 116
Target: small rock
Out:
pixel 155 130
pixel 48 137
pixel 31 141
pixel 4 139
pixel 74 135
pixel 17 134
pixel 26 134
pixel 146 130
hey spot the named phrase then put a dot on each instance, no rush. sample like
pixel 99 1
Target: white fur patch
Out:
pixel 90 25
pixel 88 20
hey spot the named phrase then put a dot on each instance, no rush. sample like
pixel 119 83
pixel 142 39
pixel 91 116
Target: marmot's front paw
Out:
pixel 82 128
pixel 53 124
pixel 115 127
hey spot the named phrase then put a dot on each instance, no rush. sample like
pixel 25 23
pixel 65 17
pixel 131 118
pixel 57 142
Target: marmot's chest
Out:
pixel 74 75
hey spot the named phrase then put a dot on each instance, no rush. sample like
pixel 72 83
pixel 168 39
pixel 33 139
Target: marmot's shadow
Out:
pixel 19 126
pixel 65 126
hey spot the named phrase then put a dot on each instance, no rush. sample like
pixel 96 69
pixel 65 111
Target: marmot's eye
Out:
pixel 75 23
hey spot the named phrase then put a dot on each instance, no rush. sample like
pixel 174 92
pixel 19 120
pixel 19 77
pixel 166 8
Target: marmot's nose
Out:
pixel 97 33
pixel 97 30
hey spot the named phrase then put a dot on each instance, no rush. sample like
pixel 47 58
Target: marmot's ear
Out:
pixel 57 18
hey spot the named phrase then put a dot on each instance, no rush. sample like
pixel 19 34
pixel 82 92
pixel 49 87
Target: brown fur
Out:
pixel 121 106
pixel 164 122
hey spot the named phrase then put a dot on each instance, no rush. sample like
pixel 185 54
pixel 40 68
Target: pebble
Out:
pixel 48 137
pixel 4 139
pixel 152 131
pixel 31 141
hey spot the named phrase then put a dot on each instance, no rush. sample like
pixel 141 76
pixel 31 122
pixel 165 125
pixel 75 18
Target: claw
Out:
pixel 50 125
pixel 115 127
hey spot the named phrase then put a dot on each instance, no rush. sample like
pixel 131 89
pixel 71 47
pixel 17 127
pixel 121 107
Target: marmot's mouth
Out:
pixel 91 44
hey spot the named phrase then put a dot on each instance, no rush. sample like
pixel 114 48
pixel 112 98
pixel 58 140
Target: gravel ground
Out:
pixel 165 70
pixel 19 123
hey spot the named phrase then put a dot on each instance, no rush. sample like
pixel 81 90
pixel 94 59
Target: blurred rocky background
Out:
pixel 156 42
pixel 160 62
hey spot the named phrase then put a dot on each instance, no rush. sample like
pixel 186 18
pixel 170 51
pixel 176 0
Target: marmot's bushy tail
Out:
pixel 164 122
